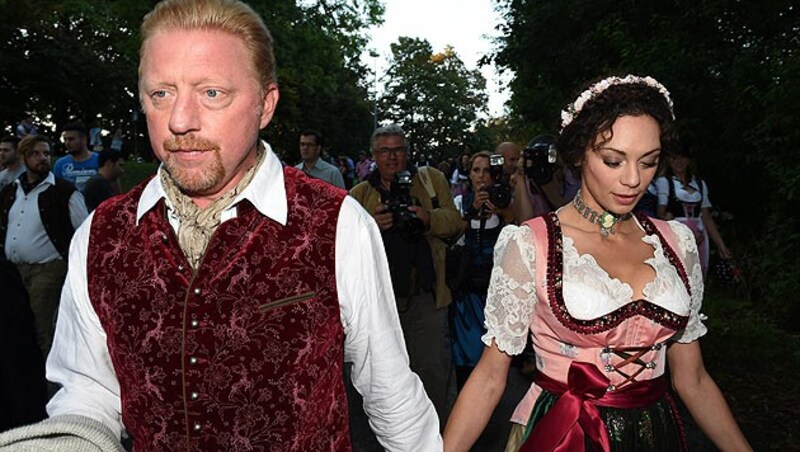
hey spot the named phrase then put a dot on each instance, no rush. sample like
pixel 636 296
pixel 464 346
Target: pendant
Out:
pixel 607 221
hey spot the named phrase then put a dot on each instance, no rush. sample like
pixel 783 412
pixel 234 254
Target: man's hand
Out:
pixel 383 217
pixel 422 214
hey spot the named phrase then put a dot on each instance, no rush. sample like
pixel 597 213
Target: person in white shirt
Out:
pixel 212 307
pixel 10 160
pixel 38 216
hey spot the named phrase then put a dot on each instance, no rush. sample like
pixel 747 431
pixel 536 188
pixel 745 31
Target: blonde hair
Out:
pixel 229 16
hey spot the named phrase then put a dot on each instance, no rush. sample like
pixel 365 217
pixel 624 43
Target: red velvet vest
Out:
pixel 244 354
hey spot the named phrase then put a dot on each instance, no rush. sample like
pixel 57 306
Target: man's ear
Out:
pixel 270 102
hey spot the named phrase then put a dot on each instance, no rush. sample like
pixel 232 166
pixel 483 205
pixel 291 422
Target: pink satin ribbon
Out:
pixel 575 416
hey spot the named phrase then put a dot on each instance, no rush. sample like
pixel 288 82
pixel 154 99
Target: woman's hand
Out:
pixel 481 200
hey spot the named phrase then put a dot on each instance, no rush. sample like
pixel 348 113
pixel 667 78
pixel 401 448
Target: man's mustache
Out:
pixel 189 143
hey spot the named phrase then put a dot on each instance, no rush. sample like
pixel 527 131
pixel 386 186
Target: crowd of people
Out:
pixel 218 305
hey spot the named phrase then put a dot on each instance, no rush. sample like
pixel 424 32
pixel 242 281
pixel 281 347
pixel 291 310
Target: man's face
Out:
pixel 510 155
pixel 8 153
pixel 204 108
pixel 75 141
pixel 309 149
pixel 38 160
pixel 116 169
pixel 390 155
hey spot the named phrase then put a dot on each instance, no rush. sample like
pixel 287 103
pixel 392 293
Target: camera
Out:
pixel 499 191
pixel 539 159
pixel 399 199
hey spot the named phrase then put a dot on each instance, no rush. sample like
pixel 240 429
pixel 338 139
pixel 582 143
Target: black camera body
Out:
pixel 404 221
pixel 540 161
pixel 500 190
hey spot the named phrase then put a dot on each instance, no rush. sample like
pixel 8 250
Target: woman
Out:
pixel 469 298
pixel 460 176
pixel 684 197
pixel 608 298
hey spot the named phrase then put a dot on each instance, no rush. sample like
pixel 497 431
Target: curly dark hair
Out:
pixel 600 113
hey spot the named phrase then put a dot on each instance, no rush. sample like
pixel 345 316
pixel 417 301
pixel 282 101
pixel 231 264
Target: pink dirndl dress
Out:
pixel 600 355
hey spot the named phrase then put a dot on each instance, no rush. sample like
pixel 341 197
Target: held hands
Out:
pixel 422 213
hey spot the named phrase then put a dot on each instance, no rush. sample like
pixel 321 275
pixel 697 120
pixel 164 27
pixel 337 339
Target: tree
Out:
pixel 432 95
pixel 78 58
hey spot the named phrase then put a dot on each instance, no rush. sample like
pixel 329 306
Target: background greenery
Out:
pixel 733 68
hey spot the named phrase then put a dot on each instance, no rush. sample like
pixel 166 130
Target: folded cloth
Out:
pixel 64 433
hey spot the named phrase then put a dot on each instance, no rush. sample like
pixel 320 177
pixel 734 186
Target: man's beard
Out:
pixel 195 180
pixel 39 171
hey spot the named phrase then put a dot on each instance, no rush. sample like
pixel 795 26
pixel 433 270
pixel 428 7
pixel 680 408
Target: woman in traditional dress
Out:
pixel 485 221
pixel 683 196
pixel 609 299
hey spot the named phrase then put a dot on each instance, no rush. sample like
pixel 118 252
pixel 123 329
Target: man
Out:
pixel 103 185
pixel 38 216
pixel 80 164
pixel 363 167
pixel 212 307
pixel 510 152
pixel 11 160
pixel 541 183
pixel 416 257
pixel 26 127
pixel 312 164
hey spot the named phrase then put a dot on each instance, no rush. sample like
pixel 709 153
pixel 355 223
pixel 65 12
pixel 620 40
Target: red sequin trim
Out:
pixel 555 273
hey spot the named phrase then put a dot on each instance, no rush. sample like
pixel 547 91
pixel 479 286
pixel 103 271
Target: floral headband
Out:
pixel 572 111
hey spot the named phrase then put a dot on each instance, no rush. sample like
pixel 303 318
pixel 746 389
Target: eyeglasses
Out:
pixel 383 152
pixel 308 145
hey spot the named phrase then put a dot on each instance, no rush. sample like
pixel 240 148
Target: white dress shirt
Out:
pixel 400 413
pixel 26 240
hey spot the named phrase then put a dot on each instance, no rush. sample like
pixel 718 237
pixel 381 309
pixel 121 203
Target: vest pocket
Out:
pixel 284 301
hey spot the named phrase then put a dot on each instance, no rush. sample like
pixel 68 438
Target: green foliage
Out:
pixel 78 58
pixel 732 68
pixel 432 95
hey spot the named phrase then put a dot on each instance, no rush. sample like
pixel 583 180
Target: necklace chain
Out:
pixel 606 220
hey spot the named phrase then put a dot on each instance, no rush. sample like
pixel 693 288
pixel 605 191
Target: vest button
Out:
pixel 164 238
pixel 195 395
pixel 193 360
pixel 195 323
pixel 197 427
pixel 197 291
pixel 181 267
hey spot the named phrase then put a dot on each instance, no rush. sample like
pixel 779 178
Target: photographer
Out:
pixel 414 212
pixel 546 184
pixel 484 219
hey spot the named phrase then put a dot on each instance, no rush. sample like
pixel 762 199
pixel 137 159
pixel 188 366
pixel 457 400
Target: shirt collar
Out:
pixel 266 191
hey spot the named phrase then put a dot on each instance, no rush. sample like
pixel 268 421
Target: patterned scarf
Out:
pixel 198 225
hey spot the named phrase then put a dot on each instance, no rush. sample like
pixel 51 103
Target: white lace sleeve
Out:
pixel 691 261
pixel 511 297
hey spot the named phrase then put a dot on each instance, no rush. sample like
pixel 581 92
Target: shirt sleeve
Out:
pixel 79 360
pixel 512 290
pixel 399 411
pixel 688 252
pixel 77 209
pixel 662 191
pixel 706 203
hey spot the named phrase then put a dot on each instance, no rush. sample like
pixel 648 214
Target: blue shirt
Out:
pixel 77 172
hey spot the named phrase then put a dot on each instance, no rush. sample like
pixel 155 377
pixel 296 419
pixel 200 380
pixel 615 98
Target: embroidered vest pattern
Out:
pixel 245 354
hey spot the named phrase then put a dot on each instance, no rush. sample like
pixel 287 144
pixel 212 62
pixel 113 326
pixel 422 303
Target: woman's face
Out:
pixel 616 175
pixel 678 164
pixel 465 160
pixel 479 173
